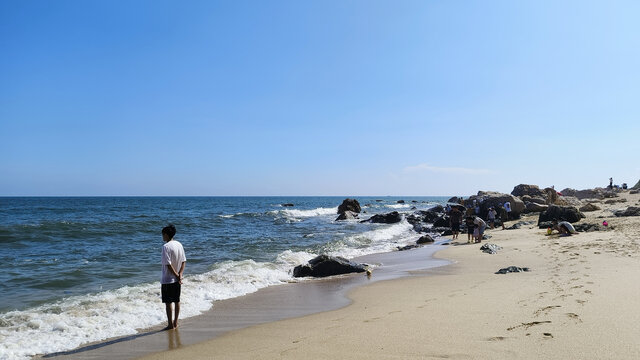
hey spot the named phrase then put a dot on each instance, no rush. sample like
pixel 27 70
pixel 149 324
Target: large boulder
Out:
pixel 630 211
pixel 589 207
pixel 533 199
pixel 636 186
pixel 347 215
pixel 568 201
pixel 561 213
pixel 584 194
pixel 389 218
pixel 349 205
pixel 551 195
pixel 535 207
pixel 524 189
pixel 441 221
pixel 425 239
pixel 487 199
pixel 325 265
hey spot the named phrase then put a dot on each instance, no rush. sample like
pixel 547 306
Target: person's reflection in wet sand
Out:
pixel 173 337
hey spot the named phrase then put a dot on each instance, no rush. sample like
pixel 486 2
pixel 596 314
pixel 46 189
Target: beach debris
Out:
pixel 630 211
pixel 325 265
pixel 389 218
pixel 490 248
pixel 512 269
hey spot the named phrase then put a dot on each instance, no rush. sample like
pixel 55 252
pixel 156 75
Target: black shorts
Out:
pixel 470 230
pixel 455 227
pixel 170 292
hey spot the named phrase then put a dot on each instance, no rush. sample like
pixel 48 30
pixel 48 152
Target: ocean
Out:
pixel 85 269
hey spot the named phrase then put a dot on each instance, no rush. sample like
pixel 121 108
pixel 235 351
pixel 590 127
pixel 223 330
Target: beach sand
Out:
pixel 581 300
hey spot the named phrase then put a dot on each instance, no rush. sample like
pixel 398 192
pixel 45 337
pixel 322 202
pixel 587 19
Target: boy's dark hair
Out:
pixel 170 230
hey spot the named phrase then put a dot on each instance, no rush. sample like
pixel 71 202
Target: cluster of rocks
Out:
pixel 630 211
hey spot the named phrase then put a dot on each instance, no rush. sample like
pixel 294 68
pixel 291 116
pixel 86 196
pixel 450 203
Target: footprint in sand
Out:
pixel 574 316
pixel 528 325
pixel 581 302
pixel 497 338
pixel 545 310
pixel 548 335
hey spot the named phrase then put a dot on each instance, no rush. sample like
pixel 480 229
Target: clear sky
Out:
pixel 317 97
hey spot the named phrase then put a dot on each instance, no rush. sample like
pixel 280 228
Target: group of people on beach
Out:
pixel 474 224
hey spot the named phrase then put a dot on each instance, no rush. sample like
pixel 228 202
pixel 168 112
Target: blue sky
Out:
pixel 316 97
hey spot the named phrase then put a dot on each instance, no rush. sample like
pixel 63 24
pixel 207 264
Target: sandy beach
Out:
pixel 579 301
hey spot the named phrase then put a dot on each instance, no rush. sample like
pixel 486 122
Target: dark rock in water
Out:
pixel 420 228
pixel 447 232
pixel 413 208
pixel 524 189
pixel 589 207
pixel 631 211
pixel 512 269
pixel 407 247
pixel 347 215
pixel 349 205
pixel 440 230
pixel 414 201
pixel 490 248
pixel 454 200
pixel 378 200
pixel 561 213
pixel 325 265
pixel 425 239
pixel 400 201
pixel 287 205
pixel 436 209
pixel 390 218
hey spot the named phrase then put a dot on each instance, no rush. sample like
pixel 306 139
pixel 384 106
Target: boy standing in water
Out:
pixel 173 261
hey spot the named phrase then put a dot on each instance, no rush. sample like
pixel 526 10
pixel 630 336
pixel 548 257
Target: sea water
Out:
pixel 85 269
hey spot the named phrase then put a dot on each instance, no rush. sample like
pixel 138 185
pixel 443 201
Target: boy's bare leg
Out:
pixel 169 311
pixel 175 321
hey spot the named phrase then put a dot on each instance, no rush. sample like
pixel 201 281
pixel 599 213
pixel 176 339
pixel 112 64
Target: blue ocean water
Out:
pixel 81 268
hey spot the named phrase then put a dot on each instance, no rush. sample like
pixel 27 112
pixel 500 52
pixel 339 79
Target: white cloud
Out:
pixel 445 170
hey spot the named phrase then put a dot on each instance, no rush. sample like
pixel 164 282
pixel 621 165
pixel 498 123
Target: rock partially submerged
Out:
pixel 389 218
pixel 348 210
pixel 425 239
pixel 512 269
pixel 325 265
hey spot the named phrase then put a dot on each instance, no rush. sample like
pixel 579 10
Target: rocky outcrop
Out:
pixel 630 211
pixel 325 265
pixel 389 218
pixel 568 201
pixel 561 213
pixel 487 199
pixel 636 186
pixel 536 199
pixel 589 207
pixel 347 215
pixel 551 195
pixel 425 239
pixel 349 205
pixel 535 207
pixel 530 190
pixel 584 194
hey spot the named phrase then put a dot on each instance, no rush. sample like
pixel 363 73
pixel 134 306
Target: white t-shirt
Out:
pixel 492 214
pixel 479 222
pixel 172 253
pixel 507 206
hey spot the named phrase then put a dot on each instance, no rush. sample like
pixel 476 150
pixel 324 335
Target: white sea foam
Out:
pixel 398 206
pixel 78 320
pixel 383 239
pixel 295 213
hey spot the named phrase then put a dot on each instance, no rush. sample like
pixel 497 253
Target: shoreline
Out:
pixel 578 301
pixel 267 305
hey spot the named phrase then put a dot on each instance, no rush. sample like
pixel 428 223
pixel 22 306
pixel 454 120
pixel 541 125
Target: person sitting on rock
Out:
pixel 564 227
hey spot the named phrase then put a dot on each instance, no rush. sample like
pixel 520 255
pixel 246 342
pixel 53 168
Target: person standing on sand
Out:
pixel 491 217
pixel 470 228
pixel 455 217
pixel 503 216
pixel 172 258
